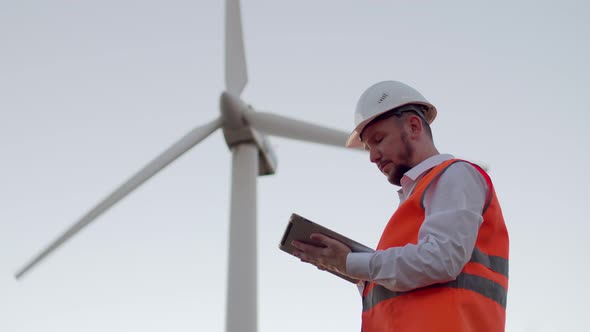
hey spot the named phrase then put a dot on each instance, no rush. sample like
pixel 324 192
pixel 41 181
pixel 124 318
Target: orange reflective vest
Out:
pixel 474 302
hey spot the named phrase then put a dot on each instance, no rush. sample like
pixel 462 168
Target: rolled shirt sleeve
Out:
pixel 453 215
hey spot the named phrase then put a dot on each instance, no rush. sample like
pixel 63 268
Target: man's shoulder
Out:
pixel 461 171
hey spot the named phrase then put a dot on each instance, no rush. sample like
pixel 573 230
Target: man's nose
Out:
pixel 374 155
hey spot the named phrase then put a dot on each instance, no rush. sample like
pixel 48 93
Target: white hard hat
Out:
pixel 381 98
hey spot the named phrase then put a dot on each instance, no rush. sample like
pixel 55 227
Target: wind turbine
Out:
pixel 244 130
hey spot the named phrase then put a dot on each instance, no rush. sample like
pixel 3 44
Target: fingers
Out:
pixel 307 253
pixel 321 238
pixel 307 248
pixel 329 242
pixel 314 254
pixel 320 242
pixel 325 253
pixel 302 257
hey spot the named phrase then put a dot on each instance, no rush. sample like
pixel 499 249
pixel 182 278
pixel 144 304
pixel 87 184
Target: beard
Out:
pixel 404 164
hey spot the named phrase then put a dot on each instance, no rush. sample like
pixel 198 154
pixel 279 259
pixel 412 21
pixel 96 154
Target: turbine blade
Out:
pixel 236 75
pixel 278 125
pixel 172 153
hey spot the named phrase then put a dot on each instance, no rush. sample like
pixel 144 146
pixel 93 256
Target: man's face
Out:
pixel 389 148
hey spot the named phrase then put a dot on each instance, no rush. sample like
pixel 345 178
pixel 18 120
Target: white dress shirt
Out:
pixel 453 214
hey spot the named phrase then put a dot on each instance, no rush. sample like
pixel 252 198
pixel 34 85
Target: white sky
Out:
pixel 91 91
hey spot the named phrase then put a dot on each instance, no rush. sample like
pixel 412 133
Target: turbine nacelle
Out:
pixel 237 130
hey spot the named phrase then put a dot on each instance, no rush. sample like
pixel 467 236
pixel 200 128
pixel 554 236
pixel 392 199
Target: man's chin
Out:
pixel 394 179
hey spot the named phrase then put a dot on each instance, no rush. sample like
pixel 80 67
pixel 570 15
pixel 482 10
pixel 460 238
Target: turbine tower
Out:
pixel 244 130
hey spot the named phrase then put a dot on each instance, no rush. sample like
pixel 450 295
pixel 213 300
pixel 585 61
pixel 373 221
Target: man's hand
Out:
pixel 332 256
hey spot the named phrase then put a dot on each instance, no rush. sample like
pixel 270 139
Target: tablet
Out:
pixel 299 229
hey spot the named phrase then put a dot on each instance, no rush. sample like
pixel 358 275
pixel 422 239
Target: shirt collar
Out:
pixel 410 178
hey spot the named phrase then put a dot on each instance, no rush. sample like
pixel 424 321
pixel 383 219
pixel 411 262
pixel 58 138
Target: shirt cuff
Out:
pixel 357 265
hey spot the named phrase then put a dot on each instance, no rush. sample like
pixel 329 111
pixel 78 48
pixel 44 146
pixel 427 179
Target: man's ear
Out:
pixel 415 127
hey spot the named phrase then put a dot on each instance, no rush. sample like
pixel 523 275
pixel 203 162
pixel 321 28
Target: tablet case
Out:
pixel 299 228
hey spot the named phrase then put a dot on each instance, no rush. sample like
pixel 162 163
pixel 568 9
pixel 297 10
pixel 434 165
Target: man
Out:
pixel 442 261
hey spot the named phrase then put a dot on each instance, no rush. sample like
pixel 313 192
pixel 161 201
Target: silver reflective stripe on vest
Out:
pixel 495 263
pixel 480 285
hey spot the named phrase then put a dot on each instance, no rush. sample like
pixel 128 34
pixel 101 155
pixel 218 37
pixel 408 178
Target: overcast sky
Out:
pixel 92 91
